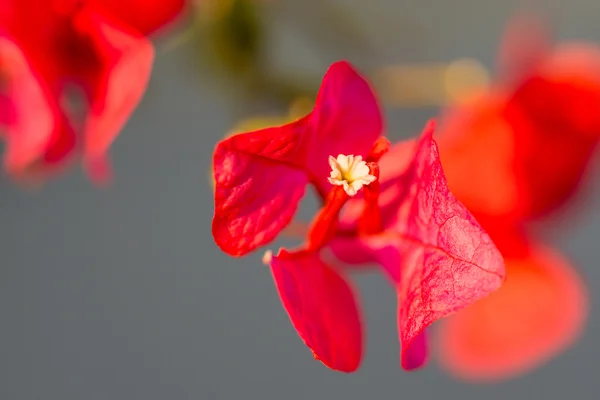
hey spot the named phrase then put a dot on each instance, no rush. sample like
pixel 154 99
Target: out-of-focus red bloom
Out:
pixel 52 49
pixel 439 257
pixel 261 176
pixel 513 154
pixel 519 150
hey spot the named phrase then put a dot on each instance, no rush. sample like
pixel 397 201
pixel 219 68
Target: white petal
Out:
pixel 335 174
pixel 361 170
pixel 353 188
pixel 350 159
pixel 342 162
pixel 368 179
pixel 357 185
pixel 333 163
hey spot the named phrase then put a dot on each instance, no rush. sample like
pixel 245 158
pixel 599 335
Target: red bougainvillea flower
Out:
pixel 447 260
pixel 519 152
pixel 439 257
pixel 540 119
pixel 48 50
pixel 261 176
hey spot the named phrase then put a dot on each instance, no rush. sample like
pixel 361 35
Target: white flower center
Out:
pixel 351 172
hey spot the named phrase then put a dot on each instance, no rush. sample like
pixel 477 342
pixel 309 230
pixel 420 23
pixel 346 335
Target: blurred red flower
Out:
pixel 540 118
pixel 515 154
pixel 53 49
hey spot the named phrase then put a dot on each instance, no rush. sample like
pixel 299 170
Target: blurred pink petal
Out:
pixel 32 114
pixel 125 66
pixel 520 150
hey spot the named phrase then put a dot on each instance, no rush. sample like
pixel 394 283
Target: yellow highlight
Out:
pixel 463 78
pixel 213 9
pixel 430 84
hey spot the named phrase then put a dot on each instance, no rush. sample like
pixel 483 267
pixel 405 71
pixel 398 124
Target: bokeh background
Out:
pixel 121 293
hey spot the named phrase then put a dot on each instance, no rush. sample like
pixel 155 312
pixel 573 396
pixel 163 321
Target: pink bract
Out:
pixel 439 257
pixel 322 308
pixel 261 175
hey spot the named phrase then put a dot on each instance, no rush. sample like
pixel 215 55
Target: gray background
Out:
pixel 122 294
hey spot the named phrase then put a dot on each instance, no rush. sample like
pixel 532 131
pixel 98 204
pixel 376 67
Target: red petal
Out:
pixel 126 63
pixel 34 117
pixel 416 355
pixel 538 312
pixel 381 249
pixel 521 152
pixel 142 15
pixel 447 260
pixel 556 148
pixel 260 176
pixel 346 120
pixel 257 189
pixel 7 111
pixel 573 71
pixel 322 308
pixel 477 148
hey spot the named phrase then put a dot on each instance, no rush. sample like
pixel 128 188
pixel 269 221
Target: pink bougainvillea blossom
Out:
pixel 261 176
pixel 439 257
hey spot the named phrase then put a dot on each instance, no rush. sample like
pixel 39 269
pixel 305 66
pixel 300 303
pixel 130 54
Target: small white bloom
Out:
pixel 349 171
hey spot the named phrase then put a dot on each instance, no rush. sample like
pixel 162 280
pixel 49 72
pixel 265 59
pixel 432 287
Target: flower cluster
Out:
pixel 453 218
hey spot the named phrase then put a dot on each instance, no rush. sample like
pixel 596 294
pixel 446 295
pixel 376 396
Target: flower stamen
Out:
pixel 351 172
